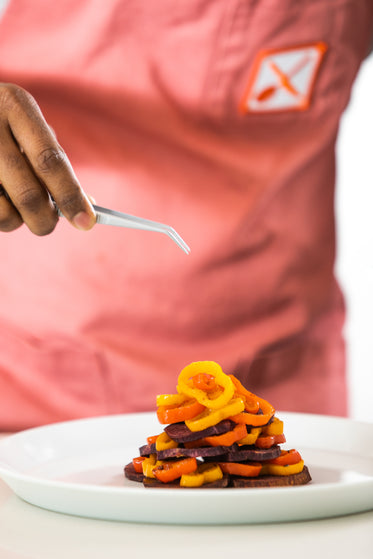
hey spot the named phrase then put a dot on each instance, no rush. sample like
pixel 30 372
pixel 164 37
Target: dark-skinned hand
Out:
pixel 34 170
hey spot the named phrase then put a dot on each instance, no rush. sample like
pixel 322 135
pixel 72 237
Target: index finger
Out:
pixel 48 160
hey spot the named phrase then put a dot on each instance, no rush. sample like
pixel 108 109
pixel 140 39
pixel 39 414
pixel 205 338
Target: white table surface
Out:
pixel 28 532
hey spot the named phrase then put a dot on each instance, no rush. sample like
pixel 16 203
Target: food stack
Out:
pixel 217 434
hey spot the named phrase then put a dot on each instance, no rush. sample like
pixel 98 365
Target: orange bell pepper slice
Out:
pixel 137 463
pixel 250 399
pixel 286 458
pixel 204 381
pixel 256 419
pixel 174 414
pixel 171 470
pixel 227 439
pixel 270 440
pixel 240 469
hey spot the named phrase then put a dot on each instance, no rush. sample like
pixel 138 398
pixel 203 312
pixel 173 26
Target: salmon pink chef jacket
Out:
pixel 190 113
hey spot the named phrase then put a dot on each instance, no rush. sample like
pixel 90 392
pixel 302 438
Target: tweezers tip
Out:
pixel 178 240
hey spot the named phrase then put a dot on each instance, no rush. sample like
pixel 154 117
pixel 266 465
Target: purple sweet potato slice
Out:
pixel 243 453
pixel 179 452
pixel 201 452
pixel 147 449
pixel 150 482
pixel 301 478
pixel 252 453
pixel 130 473
pixel 180 433
pixel 220 483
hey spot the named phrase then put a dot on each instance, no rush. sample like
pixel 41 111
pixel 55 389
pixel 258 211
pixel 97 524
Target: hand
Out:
pixel 34 169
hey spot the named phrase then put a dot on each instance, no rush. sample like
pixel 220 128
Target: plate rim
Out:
pixel 9 475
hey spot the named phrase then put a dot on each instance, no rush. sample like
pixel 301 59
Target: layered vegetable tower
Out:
pixel 218 434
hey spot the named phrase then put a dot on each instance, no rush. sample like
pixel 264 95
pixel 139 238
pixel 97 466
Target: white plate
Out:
pixel 76 468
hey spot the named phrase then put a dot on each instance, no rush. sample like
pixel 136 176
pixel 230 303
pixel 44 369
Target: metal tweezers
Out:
pixel 104 216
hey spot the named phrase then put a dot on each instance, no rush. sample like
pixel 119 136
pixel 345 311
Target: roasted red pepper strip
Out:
pixel 171 470
pixel 174 414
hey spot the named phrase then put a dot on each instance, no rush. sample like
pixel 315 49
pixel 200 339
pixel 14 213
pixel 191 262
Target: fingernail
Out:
pixel 82 221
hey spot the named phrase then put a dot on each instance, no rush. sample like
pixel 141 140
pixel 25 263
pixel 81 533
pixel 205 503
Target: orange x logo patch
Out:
pixel 283 79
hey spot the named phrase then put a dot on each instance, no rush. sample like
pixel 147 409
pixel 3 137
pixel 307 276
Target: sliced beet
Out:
pixel 149 482
pixel 180 433
pixel 147 449
pixel 272 481
pixel 130 473
pixel 202 452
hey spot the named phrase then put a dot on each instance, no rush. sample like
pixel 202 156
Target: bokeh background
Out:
pixel 354 210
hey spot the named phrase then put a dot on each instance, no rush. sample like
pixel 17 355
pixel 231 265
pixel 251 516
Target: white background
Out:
pixel 354 209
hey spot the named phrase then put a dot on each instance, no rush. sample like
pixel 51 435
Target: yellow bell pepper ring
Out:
pixel 208 418
pixel 286 470
pixel 274 428
pixel 164 442
pixel 194 479
pixel 250 437
pixel 205 473
pixel 211 472
pixel 148 465
pixel 171 399
pixel 215 400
